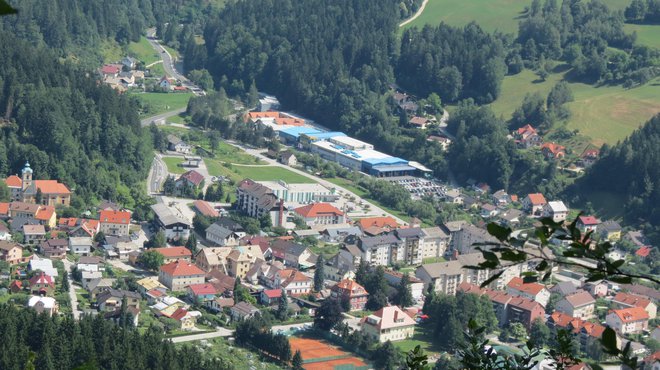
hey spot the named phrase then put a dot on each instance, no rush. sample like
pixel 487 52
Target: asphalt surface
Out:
pixel 157 175
pixel 72 291
pixel 160 118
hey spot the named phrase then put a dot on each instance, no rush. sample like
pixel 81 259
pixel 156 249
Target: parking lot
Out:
pixel 418 187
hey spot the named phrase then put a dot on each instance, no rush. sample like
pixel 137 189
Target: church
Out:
pixel 46 192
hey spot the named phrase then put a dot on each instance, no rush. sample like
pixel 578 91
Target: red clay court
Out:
pixel 319 355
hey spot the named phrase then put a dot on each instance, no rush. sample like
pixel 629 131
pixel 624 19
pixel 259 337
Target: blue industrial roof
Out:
pixel 384 161
pixel 326 135
pixel 297 131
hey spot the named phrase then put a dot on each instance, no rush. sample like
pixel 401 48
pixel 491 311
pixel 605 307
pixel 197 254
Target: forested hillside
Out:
pixel 68 126
pixel 32 341
pixel 631 169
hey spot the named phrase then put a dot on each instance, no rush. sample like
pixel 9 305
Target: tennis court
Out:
pixel 319 355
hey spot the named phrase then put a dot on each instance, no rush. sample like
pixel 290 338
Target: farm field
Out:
pixel 605 114
pixel 163 102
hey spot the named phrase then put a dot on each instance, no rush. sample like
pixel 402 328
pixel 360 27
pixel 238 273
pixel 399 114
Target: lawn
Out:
pixel 163 102
pixel 420 338
pixel 173 164
pixel 179 118
pixel 231 154
pixel 605 114
pixel 143 51
pixel 271 173
pixel 433 260
pixel 328 250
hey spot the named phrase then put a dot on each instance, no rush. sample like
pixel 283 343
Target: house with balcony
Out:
pixel 390 323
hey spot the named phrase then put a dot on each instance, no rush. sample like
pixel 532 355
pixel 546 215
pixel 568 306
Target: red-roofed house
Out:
pixel 294 282
pixel 379 222
pixel 172 254
pixel 626 300
pixel 270 296
pixel 4 211
pixel 589 156
pixel 110 70
pixel 186 319
pixel 631 320
pixel 204 208
pixel 553 151
pixel 10 252
pixel 191 179
pixel 420 122
pixel 643 251
pixel 351 291
pixel 178 275
pixel 534 291
pixel 527 137
pixel 203 292
pixel 389 323
pixel 16 286
pixel 587 223
pixel 42 284
pixel 115 222
pixel 321 214
pixel 507 307
pixel 534 203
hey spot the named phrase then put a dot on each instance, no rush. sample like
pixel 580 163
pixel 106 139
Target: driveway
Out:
pixel 221 332
pixel 72 291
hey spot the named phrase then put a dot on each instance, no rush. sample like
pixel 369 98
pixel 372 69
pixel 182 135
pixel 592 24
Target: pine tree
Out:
pixel 283 307
pixel 319 274
pixel 403 295
pixel 65 282
pixel 297 361
pixel 191 244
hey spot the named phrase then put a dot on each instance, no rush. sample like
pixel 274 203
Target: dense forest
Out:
pixel 452 62
pixel 643 11
pixel 630 169
pixel 68 126
pixel 32 341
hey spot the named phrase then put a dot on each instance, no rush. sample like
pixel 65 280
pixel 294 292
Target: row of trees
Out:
pixel 42 342
pixel 255 332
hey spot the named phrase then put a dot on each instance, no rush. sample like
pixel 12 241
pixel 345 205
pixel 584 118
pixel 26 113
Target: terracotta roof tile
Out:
pixel 202 289
pixel 537 199
pixel 51 187
pixel 368 222
pixel 115 217
pixel 173 252
pixel 589 220
pixel 14 181
pixel 631 314
pixel 632 300
pixel 181 268
pixel 318 209
pixel 530 288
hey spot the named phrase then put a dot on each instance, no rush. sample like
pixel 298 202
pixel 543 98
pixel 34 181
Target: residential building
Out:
pixel 320 214
pixel 46 305
pixel 111 299
pixel 178 275
pixel 382 250
pixel 25 189
pixel 564 288
pixel 90 263
pixel 534 291
pixel 201 292
pixel 420 122
pixel 444 277
pixel 294 282
pixel 626 300
pixel 508 308
pixel 176 144
pixel 510 217
pixel 240 260
pixel 34 234
pixel 335 234
pixel 115 222
pixel 213 258
pixel 5 234
pixel 11 252
pixel 553 151
pixel 257 200
pixel 54 248
pixel 434 243
pixel 413 244
pixel 287 158
pixel 116 315
pixel 632 320
pixel 589 157
pixel 354 293
pixel 204 208
pixel 191 179
pixel 243 310
pixel 388 223
pixel 588 333
pixel 299 192
pixel 587 223
pixel 488 210
pixel 610 230
pixel 579 304
pixel 232 225
pixel 533 204
pixel 149 283
pixel 23 213
pixel 173 254
pixel 390 323
pixel 81 246
pixel 464 239
pixel 527 137
pixel 293 254
pixel 269 297
pixel 415 285
pixel 44 265
pixel 174 225
pixel 42 284
pixel 556 210
pixel 596 288
pixel 221 236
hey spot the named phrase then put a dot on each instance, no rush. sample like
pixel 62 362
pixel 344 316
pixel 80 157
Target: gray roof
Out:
pixel 166 216
pixel 230 224
pixel 90 260
pixel 510 214
pixel 454 226
pixel 470 259
pixel 435 270
pixel 244 308
pixel 564 288
pixel 609 226
pixel 117 294
pixel 435 232
pixel 374 241
pixel 172 139
pixel 218 231
pixel 352 230
pixel 413 232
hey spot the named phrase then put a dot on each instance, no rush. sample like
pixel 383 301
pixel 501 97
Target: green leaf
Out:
pixel 6 9
pixel 608 340
pixel 542 265
pixel 501 233
pixel 621 279
pixel 617 264
pixel 491 279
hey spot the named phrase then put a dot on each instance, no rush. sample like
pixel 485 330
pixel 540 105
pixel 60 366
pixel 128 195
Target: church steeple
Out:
pixel 26 175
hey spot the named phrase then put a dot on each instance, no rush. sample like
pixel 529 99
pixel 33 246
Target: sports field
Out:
pixel 319 355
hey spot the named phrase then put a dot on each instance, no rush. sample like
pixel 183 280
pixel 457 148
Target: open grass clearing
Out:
pixel 173 165
pixel 605 114
pixel 110 51
pixel 421 338
pixel 163 102
pixel 143 51
pixel 179 119
pixel 271 173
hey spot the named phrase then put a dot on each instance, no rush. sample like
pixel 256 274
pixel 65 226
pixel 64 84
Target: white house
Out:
pixel 80 245
pixel 389 323
pixel 557 210
pixel 221 236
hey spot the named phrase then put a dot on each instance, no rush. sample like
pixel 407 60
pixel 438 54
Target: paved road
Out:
pixel 168 61
pixel 417 14
pixel 160 118
pixel 222 332
pixel 72 291
pixel 157 175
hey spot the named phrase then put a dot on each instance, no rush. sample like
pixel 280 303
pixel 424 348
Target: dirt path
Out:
pixel 419 12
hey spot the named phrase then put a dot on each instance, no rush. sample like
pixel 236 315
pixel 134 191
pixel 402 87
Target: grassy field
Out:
pixel 173 164
pixel 420 338
pixel 605 114
pixel 163 102
pixel 143 51
pixel 271 173
pixel 110 51
pixel 179 118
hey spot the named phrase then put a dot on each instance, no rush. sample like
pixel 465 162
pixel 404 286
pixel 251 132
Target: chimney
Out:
pixel 281 215
pixel 454 254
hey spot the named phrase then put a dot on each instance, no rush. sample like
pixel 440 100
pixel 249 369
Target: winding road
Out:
pixel 417 14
